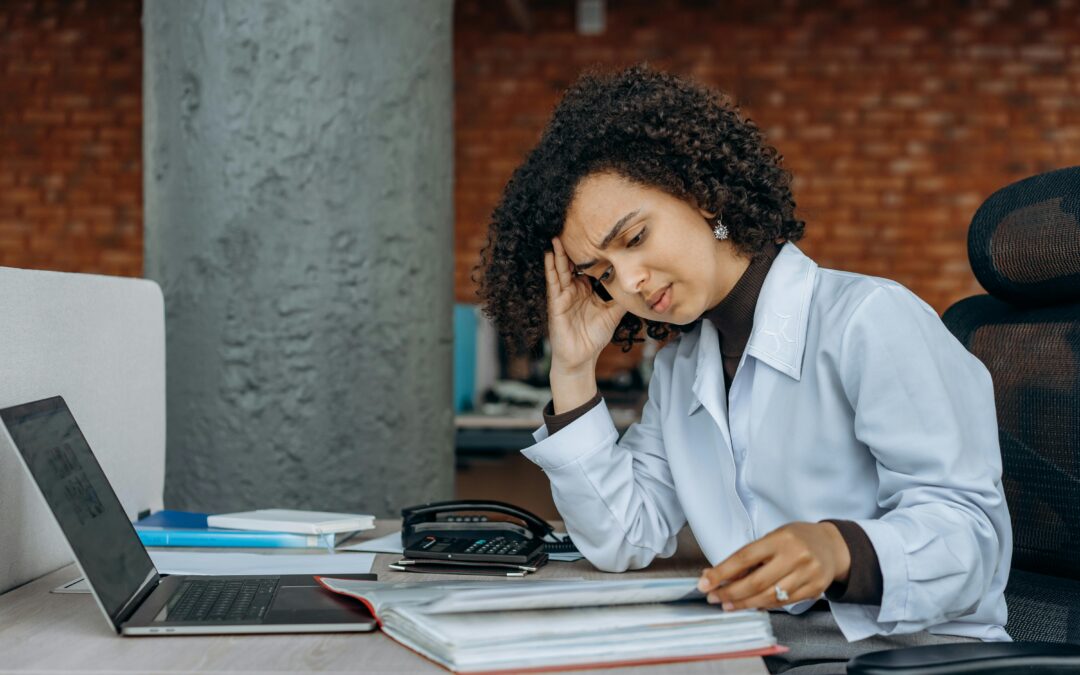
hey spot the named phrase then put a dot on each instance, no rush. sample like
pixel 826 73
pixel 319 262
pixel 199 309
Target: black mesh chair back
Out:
pixel 1024 246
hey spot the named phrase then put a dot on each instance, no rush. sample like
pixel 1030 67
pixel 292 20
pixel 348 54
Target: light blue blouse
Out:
pixel 852 401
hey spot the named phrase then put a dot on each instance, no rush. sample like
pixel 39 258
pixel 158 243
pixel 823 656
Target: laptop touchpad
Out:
pixel 314 603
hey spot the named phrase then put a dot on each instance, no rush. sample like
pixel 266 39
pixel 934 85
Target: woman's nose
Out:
pixel 633 279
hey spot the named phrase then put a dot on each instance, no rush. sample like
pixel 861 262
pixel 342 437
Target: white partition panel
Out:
pixel 100 343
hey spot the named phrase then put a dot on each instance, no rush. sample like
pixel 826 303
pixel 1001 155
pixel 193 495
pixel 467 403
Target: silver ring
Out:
pixel 781 594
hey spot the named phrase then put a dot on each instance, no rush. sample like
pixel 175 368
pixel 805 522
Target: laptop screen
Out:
pixel 113 559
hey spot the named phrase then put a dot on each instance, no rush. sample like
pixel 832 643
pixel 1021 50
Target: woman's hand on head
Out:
pixel 801 559
pixel 580 323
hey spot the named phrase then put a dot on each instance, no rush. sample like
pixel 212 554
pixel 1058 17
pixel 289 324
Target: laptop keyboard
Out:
pixel 209 600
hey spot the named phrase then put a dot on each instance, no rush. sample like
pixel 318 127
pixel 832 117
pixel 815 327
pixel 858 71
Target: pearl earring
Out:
pixel 720 230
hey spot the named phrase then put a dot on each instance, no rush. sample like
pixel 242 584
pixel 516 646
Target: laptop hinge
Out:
pixel 137 599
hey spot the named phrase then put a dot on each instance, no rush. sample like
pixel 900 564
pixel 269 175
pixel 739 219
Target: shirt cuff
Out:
pixel 864 585
pixel 555 423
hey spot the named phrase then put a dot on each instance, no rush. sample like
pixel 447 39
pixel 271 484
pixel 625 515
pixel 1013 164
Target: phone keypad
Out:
pixel 495 546
pixel 475 546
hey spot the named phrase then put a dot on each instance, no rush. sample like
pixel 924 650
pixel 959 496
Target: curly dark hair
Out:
pixel 653 129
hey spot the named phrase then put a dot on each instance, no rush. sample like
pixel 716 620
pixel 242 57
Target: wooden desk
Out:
pixel 46 631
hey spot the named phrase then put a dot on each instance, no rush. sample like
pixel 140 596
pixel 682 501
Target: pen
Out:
pixel 450 570
pixel 409 561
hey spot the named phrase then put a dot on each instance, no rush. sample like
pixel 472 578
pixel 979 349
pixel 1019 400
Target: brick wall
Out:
pixel 897 119
pixel 71 136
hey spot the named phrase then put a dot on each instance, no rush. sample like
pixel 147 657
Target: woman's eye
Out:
pixel 637 239
pixel 607 274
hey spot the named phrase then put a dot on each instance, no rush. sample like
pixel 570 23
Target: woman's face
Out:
pixel 654 253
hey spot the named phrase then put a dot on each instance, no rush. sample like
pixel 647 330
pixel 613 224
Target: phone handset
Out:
pixel 464 514
pixel 413 515
pixel 598 288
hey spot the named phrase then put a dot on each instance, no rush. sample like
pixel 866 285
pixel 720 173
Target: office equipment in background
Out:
pixel 476 356
pixel 464 357
pixel 476 628
pixel 292 520
pixel 123 580
pixel 477 533
pixel 184 528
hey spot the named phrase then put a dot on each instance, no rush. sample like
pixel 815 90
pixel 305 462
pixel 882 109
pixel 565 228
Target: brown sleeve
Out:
pixel 864 585
pixel 555 422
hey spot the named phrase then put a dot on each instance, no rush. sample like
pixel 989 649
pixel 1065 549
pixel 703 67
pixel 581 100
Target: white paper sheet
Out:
pixel 185 562
pixel 565 557
pixel 391 543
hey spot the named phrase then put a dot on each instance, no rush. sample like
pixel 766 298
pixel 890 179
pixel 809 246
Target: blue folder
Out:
pixel 183 528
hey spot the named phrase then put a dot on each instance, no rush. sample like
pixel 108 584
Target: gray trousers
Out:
pixel 819 648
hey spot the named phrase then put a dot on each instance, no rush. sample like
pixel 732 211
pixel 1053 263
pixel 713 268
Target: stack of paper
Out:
pixel 213 563
pixel 496 626
pixel 291 520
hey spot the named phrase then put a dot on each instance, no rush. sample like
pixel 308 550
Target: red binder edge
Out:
pixel 766 651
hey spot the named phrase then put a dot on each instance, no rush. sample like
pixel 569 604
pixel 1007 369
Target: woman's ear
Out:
pixel 707 215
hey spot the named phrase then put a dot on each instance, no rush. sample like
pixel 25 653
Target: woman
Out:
pixel 821 432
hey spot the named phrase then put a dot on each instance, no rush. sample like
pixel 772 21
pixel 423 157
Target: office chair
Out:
pixel 1024 247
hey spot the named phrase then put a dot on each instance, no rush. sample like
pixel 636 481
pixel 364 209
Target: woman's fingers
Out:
pixel 550 274
pixel 796 557
pixel 557 290
pixel 793 586
pixel 613 311
pixel 580 323
pixel 738 564
pixel 562 263
pixel 736 594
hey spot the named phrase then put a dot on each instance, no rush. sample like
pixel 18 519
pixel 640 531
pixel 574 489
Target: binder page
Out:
pixel 381 595
pixel 565 594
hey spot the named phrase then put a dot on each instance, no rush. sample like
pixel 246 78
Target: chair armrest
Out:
pixel 984 658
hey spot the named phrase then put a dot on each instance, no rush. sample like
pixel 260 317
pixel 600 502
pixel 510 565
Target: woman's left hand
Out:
pixel 800 559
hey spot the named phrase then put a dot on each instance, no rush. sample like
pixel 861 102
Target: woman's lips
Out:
pixel 663 303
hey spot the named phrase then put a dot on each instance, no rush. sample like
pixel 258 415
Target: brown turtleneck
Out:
pixel 734 321
pixel 734 316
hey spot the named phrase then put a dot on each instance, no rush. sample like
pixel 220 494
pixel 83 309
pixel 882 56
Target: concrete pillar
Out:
pixel 299 217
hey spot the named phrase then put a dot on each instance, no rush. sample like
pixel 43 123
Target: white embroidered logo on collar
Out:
pixel 776 328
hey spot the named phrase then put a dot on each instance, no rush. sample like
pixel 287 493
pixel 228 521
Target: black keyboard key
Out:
pixel 234 600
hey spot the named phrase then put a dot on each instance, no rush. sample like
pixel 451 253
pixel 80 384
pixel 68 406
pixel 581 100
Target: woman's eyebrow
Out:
pixel 614 232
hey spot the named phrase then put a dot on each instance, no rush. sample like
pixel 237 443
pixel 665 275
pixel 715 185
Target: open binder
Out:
pixel 495 627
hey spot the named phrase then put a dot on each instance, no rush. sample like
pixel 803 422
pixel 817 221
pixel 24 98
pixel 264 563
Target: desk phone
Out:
pixel 464 531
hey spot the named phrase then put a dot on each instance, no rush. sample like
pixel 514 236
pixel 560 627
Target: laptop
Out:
pixel 123 580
